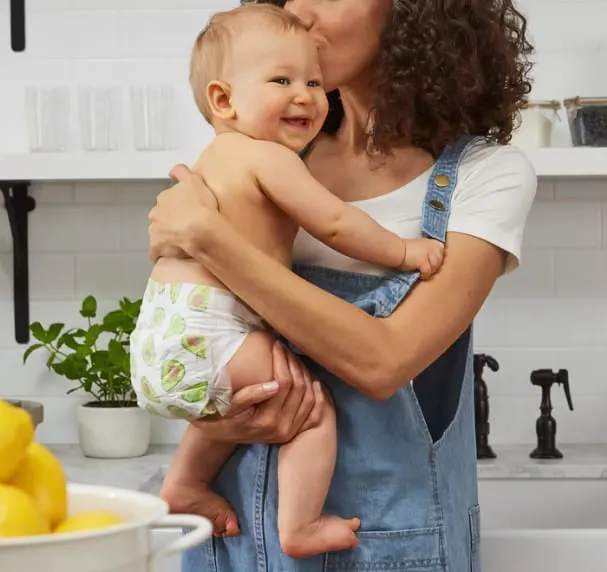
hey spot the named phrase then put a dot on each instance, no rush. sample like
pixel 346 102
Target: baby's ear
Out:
pixel 219 95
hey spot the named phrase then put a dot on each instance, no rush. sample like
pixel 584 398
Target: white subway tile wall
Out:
pixel 91 238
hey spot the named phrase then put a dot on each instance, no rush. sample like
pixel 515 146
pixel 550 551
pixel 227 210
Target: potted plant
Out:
pixel 96 357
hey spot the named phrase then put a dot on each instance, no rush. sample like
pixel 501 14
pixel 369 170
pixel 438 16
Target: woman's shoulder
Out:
pixel 495 190
pixel 490 168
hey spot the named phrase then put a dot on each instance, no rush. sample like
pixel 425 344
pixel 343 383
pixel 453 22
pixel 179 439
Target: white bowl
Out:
pixel 122 548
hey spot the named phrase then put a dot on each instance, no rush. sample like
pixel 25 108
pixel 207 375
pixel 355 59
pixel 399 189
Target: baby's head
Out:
pixel 255 70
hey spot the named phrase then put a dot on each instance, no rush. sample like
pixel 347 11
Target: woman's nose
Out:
pixel 301 9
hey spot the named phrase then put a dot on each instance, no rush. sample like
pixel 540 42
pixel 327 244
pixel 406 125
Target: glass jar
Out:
pixel 587 121
pixel 537 120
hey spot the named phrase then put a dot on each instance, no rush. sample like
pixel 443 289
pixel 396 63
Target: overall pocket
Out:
pixel 413 550
pixel 474 516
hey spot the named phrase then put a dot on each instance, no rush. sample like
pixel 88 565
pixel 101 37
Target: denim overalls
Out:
pixel 405 466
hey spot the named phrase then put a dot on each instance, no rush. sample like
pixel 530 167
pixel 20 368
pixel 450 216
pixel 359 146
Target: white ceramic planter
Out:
pixel 113 432
pixel 126 547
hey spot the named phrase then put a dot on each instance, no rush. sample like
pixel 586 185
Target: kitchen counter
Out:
pixel 513 462
pixel 125 473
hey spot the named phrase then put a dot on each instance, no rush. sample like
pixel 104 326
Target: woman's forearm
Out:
pixel 337 335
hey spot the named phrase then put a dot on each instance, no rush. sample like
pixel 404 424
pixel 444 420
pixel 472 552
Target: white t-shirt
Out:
pixel 493 195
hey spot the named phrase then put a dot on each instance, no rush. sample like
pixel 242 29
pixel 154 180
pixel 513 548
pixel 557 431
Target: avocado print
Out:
pixel 151 409
pixel 172 373
pixel 196 392
pixel 133 364
pixel 198 298
pixel 158 316
pixel 174 292
pixel 134 337
pixel 178 412
pixel 148 390
pixel 195 344
pixel 148 353
pixel 208 409
pixel 149 291
pixel 176 326
pixel 161 289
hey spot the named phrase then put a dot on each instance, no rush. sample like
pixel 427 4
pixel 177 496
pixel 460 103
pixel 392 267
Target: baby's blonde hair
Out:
pixel 212 46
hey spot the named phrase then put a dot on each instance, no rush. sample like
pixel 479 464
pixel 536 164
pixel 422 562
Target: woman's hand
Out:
pixel 271 412
pixel 181 215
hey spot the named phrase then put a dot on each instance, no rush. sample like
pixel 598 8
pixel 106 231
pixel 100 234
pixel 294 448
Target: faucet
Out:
pixel 481 405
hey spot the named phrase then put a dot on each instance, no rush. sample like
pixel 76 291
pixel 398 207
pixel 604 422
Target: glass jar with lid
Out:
pixel 537 120
pixel 587 120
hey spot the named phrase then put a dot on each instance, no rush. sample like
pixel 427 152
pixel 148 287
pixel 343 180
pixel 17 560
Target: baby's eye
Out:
pixel 281 80
pixel 314 83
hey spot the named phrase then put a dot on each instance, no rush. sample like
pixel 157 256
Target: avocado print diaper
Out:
pixel 185 336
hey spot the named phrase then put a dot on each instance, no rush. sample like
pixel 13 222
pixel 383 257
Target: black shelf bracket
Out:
pixel 19 204
pixel 18 25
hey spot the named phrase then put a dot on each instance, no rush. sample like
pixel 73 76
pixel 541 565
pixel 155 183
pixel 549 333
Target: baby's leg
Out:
pixel 305 470
pixel 187 486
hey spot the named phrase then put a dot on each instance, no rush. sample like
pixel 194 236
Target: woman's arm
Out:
pixel 376 356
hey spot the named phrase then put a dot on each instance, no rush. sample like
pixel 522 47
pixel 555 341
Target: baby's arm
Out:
pixel 285 179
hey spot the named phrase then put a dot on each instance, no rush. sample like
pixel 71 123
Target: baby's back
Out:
pixel 226 165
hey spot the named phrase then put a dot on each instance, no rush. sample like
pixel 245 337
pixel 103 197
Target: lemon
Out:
pixel 19 515
pixel 89 520
pixel 16 433
pixel 41 476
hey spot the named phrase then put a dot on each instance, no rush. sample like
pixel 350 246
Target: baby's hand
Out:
pixel 423 254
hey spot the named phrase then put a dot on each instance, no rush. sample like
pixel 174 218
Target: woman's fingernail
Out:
pixel 270 386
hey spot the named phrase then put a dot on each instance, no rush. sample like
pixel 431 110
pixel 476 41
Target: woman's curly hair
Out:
pixel 446 68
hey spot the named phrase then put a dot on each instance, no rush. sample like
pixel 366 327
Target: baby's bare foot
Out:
pixel 200 499
pixel 327 534
pixel 220 513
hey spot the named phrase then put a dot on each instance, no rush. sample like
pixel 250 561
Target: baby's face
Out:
pixel 277 90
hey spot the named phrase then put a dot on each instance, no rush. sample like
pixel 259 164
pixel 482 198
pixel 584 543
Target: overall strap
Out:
pixel 437 203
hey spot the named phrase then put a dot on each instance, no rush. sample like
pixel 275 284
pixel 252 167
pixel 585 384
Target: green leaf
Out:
pixel 53 332
pixel 71 367
pixel 28 352
pixel 101 360
pixel 116 352
pixel 89 307
pixel 114 321
pixel 91 337
pixel 38 331
pixel 70 342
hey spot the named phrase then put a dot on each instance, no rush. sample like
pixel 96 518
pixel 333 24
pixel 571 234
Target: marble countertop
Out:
pixel 513 462
pixel 125 473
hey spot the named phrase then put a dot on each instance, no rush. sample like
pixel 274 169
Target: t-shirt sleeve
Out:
pixel 493 197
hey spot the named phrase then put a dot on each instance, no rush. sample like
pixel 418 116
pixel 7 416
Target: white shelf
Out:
pixel 554 162
pixel 569 161
pixel 91 166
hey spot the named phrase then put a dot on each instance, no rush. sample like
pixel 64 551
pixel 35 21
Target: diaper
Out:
pixel 184 337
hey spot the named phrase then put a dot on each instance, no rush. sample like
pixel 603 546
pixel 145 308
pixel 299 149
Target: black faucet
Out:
pixel 481 405
pixel 545 426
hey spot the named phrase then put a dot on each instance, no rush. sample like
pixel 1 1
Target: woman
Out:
pixel 416 81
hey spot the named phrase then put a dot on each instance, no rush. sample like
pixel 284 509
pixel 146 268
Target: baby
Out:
pixel 256 78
